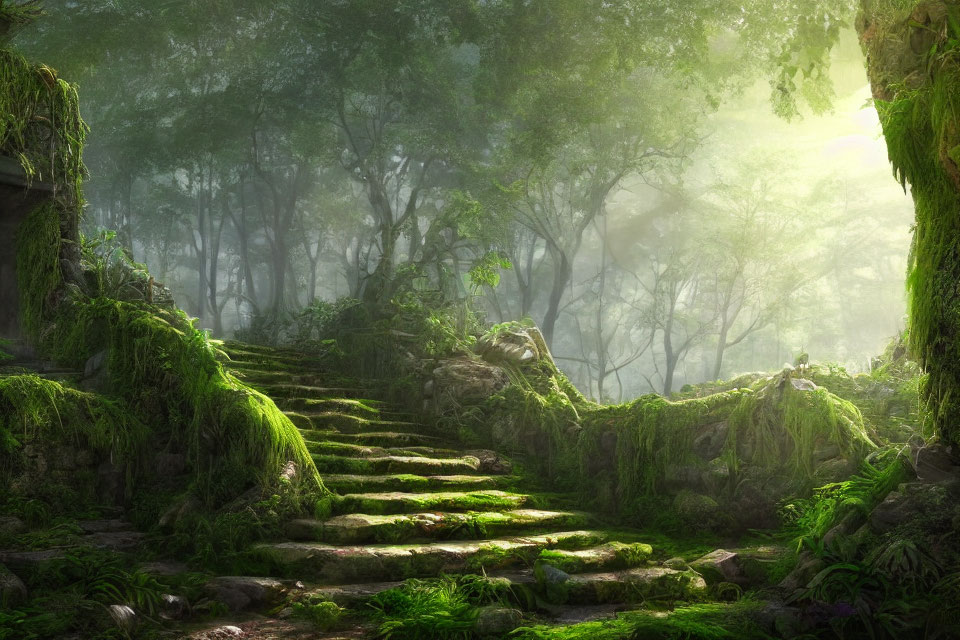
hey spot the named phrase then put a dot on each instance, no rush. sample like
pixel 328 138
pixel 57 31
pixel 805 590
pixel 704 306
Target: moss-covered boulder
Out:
pixel 741 449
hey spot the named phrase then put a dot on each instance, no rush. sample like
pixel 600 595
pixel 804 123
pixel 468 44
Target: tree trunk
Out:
pixel 243 235
pixel 563 271
pixel 201 255
pixel 721 348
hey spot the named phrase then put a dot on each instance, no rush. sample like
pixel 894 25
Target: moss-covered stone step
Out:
pixel 267 378
pixel 602 587
pixel 358 528
pixel 331 564
pixel 362 407
pixel 386 439
pixel 268 361
pixel 343 422
pixel 351 483
pixel 236 346
pixel 613 555
pixel 396 464
pixel 290 392
pixel 269 354
pixel 401 502
pixel 250 368
pixel 365 451
pixel 631 586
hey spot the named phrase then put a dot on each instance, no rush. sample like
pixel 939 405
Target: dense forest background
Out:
pixel 649 206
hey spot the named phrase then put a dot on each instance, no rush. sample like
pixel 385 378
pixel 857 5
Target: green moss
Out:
pixel 613 555
pixel 809 418
pixel 323 615
pixel 39 240
pixel 445 608
pixel 35 103
pixel 234 436
pixel 421 502
pixel 811 518
pixel 920 116
pixel 700 622
pixel 19 13
pixel 33 409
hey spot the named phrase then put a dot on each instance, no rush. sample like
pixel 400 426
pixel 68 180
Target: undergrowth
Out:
pixel 445 608
pixel 33 409
pixel 69 594
pixel 693 622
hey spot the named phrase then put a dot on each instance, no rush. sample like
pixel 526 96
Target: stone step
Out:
pixel 613 555
pixel 365 408
pixel 232 346
pixel 345 423
pixel 414 483
pixel 597 589
pixel 330 564
pixel 401 502
pixel 388 439
pixel 297 392
pixel 359 528
pixel 254 367
pixel 335 464
pixel 642 584
pixel 268 354
pixel 268 378
pixel 364 451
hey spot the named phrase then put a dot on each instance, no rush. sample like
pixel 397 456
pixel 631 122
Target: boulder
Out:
pixel 911 501
pixel 463 382
pixel 696 510
pixel 515 345
pixel 709 442
pixel 935 463
pixel 243 592
pixel 490 461
pixel 834 470
pixel 808 565
pixel 224 632
pixel 719 566
pixel 497 621
pixel 549 574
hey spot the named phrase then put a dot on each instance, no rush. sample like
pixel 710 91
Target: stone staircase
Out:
pixel 413 503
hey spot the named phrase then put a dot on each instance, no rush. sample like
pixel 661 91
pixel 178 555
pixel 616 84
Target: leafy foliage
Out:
pixel 70 594
pixel 112 273
pixel 41 112
pixel 445 608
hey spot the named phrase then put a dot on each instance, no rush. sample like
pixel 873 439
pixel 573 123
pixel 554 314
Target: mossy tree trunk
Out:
pixel 913 59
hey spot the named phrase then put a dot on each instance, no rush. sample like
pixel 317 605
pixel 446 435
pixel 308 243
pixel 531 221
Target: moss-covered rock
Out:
pixel 743 448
